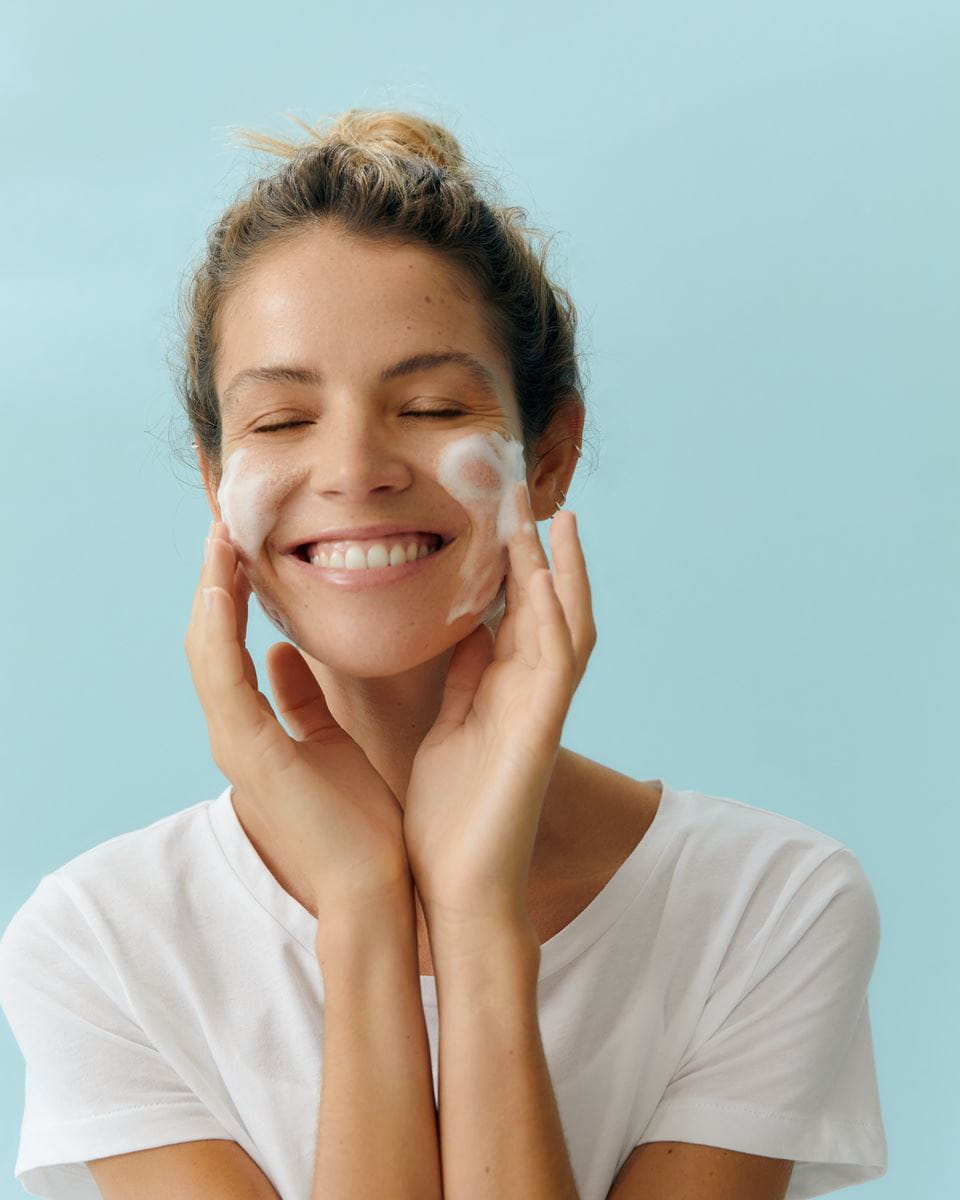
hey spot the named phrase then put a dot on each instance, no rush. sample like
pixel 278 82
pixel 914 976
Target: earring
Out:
pixel 563 496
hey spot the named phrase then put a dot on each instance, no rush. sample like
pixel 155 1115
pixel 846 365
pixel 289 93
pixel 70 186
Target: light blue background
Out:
pixel 757 214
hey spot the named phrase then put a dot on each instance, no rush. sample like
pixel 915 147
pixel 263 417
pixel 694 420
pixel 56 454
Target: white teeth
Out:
pixel 356 559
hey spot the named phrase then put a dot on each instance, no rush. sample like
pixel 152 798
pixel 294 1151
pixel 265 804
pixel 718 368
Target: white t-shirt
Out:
pixel 164 988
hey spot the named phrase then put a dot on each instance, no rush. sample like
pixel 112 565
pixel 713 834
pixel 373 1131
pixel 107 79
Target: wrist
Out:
pixel 506 938
pixel 360 925
pixel 489 970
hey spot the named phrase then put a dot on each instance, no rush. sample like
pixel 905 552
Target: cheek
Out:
pixel 277 618
pixel 480 470
pixel 250 493
pixel 482 479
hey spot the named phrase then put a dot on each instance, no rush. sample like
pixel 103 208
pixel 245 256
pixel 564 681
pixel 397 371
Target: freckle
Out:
pixel 427 298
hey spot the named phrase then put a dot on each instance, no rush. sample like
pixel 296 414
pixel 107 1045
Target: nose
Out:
pixel 355 456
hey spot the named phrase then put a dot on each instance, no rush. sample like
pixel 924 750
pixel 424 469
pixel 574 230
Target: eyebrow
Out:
pixel 481 374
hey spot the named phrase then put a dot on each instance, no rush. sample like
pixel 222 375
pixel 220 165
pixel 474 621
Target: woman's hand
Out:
pixel 476 790
pixel 321 808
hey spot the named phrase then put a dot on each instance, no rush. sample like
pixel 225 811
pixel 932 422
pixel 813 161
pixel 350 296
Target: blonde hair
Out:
pixel 390 176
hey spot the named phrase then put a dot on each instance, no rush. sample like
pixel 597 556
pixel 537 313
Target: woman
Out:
pixel 627 991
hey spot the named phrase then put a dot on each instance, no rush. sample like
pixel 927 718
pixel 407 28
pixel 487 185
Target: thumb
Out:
pixel 470 659
pixel 298 697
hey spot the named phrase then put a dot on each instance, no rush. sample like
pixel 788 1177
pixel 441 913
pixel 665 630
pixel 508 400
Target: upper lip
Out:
pixel 363 532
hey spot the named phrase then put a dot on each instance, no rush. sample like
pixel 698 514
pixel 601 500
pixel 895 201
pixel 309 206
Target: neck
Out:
pixel 387 717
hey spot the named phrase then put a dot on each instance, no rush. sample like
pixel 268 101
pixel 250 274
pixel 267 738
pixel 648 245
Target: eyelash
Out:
pixel 440 412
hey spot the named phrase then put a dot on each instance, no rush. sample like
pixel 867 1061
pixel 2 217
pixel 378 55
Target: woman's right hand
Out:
pixel 321 807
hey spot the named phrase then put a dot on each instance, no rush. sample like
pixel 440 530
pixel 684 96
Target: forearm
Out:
pixel 500 1132
pixel 377 1127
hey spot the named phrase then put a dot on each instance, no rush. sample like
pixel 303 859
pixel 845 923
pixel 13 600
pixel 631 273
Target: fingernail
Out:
pixel 207 598
pixel 206 549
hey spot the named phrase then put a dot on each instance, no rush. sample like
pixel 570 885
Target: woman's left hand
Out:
pixel 476 790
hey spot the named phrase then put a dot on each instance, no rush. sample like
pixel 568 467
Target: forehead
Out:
pixel 342 304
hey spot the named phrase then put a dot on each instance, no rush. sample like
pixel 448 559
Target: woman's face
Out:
pixel 363 443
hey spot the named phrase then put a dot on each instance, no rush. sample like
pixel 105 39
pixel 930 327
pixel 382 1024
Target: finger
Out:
pixel 298 695
pixel 240 585
pixel 242 589
pixel 572 585
pixel 526 639
pixel 526 557
pixel 526 550
pixel 241 592
pixel 470 659
pixel 233 705
pixel 556 644
pixel 525 554
pixel 194 640
pixel 505 643
pixel 556 675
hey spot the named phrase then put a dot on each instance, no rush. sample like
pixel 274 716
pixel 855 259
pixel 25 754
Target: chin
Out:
pixel 369 661
pixel 379 651
pixel 375 650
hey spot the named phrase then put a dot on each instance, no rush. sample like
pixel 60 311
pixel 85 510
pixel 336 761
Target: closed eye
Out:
pixel 440 412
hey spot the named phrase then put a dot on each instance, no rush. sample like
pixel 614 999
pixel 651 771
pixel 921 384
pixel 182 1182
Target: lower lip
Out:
pixel 355 580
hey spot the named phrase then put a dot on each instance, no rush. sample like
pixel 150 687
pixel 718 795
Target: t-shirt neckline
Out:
pixel 562 948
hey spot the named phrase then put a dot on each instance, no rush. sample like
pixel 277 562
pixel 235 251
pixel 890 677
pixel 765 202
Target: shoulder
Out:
pixel 714 851
pixel 135 848
pixel 720 831
pixel 601 811
pixel 145 871
pixel 759 878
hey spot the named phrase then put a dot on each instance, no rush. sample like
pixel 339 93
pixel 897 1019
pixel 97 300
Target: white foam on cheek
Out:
pixel 249 497
pixel 481 471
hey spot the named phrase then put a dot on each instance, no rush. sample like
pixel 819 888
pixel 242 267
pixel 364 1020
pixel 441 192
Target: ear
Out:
pixel 210 484
pixel 556 454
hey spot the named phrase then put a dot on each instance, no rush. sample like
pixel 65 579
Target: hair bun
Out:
pixel 403 133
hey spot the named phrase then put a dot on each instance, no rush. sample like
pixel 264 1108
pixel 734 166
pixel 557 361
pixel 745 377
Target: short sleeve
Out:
pixel 94 1085
pixel 783 1065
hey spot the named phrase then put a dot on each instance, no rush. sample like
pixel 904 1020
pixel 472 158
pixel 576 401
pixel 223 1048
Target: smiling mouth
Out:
pixel 383 554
